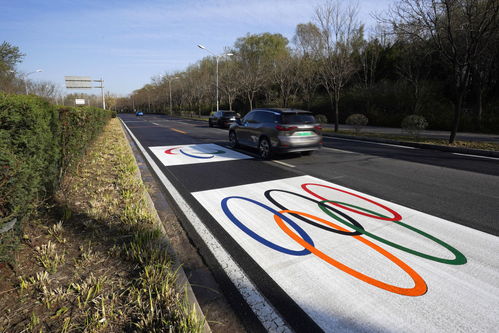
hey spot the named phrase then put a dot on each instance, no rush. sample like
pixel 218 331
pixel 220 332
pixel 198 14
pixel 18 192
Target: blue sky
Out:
pixel 127 42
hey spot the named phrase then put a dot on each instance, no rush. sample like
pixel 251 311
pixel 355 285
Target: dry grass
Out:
pixel 94 261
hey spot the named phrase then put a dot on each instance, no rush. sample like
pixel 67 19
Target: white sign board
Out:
pixel 78 82
pixel 79 101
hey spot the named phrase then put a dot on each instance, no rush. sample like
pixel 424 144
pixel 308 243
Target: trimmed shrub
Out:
pixel 414 124
pixel 357 120
pixel 38 142
pixel 322 119
pixel 78 127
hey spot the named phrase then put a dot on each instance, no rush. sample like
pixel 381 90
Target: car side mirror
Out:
pixel 238 121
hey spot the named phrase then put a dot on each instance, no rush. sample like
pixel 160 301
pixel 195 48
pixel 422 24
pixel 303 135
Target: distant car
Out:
pixel 139 113
pixel 277 131
pixel 222 118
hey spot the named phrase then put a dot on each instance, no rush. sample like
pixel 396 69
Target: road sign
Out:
pixel 78 82
pixel 79 101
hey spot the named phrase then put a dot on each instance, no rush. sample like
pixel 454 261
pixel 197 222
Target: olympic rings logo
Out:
pixel 183 152
pixel 334 209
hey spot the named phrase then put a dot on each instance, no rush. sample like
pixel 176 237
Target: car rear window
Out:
pixel 228 114
pixel 297 118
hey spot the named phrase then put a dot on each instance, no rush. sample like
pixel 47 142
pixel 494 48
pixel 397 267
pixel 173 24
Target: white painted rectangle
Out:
pixel 195 153
pixel 462 297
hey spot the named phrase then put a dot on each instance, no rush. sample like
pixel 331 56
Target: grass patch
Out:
pixel 93 260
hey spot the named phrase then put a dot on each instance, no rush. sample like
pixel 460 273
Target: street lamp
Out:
pixel 217 57
pixel 170 88
pixel 26 80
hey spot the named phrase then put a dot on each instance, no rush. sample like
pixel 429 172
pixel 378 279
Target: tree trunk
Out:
pixel 458 105
pixel 476 88
pixel 250 100
pixel 336 111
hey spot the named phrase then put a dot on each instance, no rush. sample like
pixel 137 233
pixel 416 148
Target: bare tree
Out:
pixel 285 76
pixel 460 30
pixel 307 42
pixel 341 34
pixel 413 66
pixel 229 81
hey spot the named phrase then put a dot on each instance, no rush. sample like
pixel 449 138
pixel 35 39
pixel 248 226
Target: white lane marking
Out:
pixel 470 155
pixel 283 163
pixel 265 311
pixel 339 150
pixel 374 143
pixel 156 124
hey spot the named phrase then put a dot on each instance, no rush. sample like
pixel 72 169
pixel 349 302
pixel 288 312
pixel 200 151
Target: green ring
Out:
pixel 459 259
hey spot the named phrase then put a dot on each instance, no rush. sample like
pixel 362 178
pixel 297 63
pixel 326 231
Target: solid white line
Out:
pixel 339 150
pixel 470 155
pixel 266 313
pixel 374 143
pixel 285 164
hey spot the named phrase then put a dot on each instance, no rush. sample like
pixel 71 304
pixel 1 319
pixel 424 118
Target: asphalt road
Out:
pixel 447 198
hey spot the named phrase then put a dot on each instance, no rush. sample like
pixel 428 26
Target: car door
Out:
pixel 243 129
pixel 253 128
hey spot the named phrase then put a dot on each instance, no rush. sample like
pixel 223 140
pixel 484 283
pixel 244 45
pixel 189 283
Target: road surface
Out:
pixel 358 236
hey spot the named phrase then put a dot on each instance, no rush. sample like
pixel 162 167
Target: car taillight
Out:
pixel 318 127
pixel 285 128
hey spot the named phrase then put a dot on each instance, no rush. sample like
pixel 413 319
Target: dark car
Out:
pixel 277 131
pixel 222 118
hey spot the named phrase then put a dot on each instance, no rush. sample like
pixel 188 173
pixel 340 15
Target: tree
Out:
pixel 230 77
pixel 255 55
pixel 9 56
pixel 341 35
pixel 307 41
pixel 460 30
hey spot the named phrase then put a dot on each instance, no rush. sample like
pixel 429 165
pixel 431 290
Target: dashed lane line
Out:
pixel 339 150
pixel 177 130
pixel 283 163
pixel 265 311
pixel 373 143
pixel 470 155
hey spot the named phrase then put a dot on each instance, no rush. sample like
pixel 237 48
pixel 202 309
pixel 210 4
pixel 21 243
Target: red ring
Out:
pixel 396 216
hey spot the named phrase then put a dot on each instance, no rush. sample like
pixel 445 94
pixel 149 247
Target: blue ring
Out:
pixel 195 156
pixel 262 240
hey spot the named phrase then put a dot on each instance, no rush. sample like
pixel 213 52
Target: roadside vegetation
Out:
pixel 91 259
pixel 418 60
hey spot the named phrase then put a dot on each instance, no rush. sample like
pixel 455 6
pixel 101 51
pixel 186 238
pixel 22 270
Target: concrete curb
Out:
pixel 182 282
pixel 460 150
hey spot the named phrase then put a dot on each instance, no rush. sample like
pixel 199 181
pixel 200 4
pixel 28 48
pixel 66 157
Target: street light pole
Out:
pixel 170 79
pixel 26 80
pixel 217 58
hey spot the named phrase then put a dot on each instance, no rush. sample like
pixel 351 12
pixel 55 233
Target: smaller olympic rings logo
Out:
pixel 212 154
pixel 303 239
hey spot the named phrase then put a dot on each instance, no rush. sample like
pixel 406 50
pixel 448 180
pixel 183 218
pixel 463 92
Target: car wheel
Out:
pixel 233 139
pixel 264 149
pixel 209 123
pixel 307 153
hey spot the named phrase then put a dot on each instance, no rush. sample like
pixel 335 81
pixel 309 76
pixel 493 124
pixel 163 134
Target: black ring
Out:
pixel 315 224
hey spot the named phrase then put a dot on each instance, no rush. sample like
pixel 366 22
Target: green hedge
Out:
pixel 38 142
